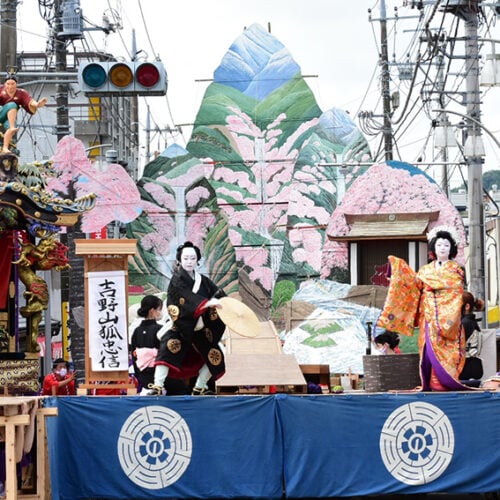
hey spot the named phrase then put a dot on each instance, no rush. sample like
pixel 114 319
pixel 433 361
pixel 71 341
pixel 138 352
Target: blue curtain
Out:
pixel 274 446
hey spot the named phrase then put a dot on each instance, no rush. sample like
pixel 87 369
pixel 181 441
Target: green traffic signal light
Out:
pixel 123 78
pixel 94 75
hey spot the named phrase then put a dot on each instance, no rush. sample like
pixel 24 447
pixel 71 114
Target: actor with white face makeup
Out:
pixel 432 300
pixel 189 344
pixel 442 250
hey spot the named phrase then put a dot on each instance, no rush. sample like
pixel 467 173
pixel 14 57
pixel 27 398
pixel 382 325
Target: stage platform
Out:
pixel 274 446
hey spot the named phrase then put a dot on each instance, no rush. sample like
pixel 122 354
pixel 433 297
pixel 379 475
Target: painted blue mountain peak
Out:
pixel 337 126
pixel 173 151
pixel 256 63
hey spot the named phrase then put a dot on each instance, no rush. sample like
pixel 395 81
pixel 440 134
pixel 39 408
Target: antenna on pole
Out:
pixel 134 46
pixel 148 134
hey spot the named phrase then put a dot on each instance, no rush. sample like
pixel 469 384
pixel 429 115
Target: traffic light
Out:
pixel 122 78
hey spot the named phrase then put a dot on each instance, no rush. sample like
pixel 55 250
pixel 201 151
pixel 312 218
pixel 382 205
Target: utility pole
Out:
pixel 148 131
pixel 71 294
pixel 474 152
pixel 473 149
pixel 386 91
pixel 445 124
pixel 8 35
pixel 62 127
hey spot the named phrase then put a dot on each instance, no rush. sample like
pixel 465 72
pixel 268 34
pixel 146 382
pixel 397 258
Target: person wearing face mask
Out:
pixel 387 343
pixel 189 345
pixel 431 299
pixel 59 382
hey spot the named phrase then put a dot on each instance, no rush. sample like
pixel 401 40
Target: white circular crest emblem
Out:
pixel 154 447
pixel 417 443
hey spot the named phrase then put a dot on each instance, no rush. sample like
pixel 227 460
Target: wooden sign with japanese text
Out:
pixel 106 311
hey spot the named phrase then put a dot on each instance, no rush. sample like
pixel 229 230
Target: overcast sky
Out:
pixel 330 39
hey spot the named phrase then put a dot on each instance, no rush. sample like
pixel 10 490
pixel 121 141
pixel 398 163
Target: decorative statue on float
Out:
pixel 30 219
pixel 47 254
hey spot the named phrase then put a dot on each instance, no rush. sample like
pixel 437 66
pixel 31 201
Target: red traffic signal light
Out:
pixel 122 78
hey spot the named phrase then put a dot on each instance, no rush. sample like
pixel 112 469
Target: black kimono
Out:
pixel 185 298
pixel 144 336
pixel 473 368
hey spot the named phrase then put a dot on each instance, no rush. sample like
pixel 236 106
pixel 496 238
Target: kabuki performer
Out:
pixel 190 341
pixel 431 300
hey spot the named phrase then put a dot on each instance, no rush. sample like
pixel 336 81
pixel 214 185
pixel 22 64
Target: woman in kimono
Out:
pixel 190 342
pixel 432 300
pixel 473 368
pixel 144 343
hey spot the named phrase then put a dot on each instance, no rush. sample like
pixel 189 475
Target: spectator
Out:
pixel 473 368
pixel 387 343
pixel 60 382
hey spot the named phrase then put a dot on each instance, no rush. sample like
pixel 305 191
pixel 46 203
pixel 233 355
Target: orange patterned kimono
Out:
pixel 432 300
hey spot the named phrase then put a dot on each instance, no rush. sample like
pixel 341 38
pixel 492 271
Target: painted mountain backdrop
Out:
pixel 255 187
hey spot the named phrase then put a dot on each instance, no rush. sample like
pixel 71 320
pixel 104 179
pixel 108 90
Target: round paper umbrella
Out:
pixel 239 317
